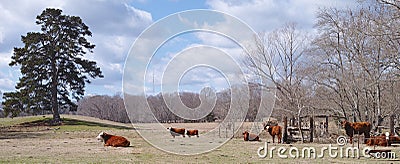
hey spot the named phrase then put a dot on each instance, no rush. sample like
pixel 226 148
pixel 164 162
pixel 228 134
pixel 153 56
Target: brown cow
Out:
pixel 357 128
pixel 250 137
pixel 274 131
pixel 176 131
pixel 377 140
pixel 393 139
pixel 381 140
pixel 112 140
pixel 193 132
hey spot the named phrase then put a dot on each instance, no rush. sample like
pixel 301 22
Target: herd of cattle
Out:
pixel 365 128
pixel 274 130
pixel 182 131
pixel 119 141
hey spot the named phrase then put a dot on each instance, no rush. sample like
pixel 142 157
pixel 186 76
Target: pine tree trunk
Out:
pixel 54 100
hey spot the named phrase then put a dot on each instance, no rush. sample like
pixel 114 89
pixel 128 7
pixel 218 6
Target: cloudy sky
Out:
pixel 117 24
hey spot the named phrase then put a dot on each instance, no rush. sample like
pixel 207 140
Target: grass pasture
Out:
pixel 29 140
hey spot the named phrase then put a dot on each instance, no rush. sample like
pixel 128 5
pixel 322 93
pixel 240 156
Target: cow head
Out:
pixel 345 123
pixel 246 135
pixel 100 137
pixel 268 124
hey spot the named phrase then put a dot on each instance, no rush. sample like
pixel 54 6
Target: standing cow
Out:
pixel 176 131
pixel 274 130
pixel 357 128
pixel 193 132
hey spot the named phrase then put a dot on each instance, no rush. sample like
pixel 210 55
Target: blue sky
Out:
pixel 117 24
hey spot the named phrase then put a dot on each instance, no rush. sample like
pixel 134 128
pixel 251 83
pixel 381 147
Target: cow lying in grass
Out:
pixel 250 137
pixel 112 140
pixel 382 141
pixel 176 131
pixel 193 132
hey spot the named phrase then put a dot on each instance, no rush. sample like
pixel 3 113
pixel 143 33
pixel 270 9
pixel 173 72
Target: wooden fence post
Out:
pixel 311 128
pixel 391 124
pixel 326 124
pixel 284 137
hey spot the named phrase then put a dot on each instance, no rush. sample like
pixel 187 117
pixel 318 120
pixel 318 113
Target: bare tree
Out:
pixel 104 107
pixel 277 57
pixel 356 57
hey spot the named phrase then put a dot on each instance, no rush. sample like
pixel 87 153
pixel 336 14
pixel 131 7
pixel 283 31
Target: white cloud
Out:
pixel 1 35
pixel 6 81
pixel 5 58
pixel 266 15
pixel 6 84
pixel 196 66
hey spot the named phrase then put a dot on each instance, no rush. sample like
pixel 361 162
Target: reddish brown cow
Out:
pixel 393 139
pixel 274 131
pixel 176 131
pixel 381 140
pixel 193 132
pixel 112 140
pixel 357 128
pixel 377 140
pixel 250 137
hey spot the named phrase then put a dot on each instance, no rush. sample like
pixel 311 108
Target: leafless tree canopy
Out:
pixel 104 107
pixel 349 68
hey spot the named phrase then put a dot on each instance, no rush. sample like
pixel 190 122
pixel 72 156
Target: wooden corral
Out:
pixel 316 126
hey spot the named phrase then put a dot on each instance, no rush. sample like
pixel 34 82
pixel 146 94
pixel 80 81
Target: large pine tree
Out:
pixel 53 69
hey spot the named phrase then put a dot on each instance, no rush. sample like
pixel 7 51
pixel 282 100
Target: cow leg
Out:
pixel 366 137
pixel 273 139
pixel 351 139
pixel 279 139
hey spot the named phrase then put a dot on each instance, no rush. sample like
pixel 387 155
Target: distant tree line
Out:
pixel 112 107
pixel 103 107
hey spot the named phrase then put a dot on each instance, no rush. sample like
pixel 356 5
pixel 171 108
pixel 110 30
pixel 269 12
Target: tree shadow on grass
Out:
pixel 68 121
pixel 35 129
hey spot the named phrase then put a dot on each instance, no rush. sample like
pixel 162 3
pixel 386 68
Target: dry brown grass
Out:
pixel 77 144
